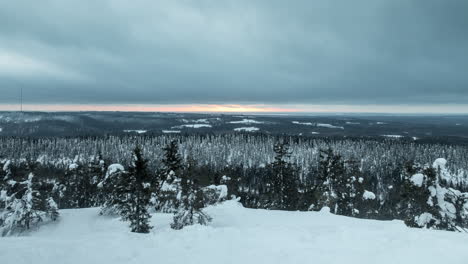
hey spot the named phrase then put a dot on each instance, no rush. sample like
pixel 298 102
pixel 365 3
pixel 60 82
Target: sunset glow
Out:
pixel 242 108
pixel 202 108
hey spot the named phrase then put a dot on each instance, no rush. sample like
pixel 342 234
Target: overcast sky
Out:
pixel 235 52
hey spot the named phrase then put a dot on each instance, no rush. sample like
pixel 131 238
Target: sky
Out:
pixel 263 55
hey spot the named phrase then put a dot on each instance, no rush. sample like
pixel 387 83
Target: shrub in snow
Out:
pixel 368 195
pixel 427 203
pixel 215 193
pixel 25 207
pixel 169 194
pixel 340 186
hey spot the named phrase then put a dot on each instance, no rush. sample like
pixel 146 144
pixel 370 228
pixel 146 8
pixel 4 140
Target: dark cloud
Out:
pixel 347 52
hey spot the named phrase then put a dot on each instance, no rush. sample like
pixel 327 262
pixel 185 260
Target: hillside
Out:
pixel 236 235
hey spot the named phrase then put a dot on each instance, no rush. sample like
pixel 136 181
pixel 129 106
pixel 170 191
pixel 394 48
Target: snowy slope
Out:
pixel 237 235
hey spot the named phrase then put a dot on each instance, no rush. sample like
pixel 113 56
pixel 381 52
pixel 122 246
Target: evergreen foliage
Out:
pixel 192 201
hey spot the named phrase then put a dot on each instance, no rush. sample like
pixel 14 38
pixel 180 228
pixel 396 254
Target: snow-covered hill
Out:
pixel 236 235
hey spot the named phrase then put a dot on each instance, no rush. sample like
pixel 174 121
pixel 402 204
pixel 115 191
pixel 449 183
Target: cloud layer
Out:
pixel 266 51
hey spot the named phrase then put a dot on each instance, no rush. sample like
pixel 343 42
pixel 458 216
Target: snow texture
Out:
pixel 135 131
pixel 193 126
pixel 367 195
pixel 417 179
pixel 236 235
pixel 247 129
pixel 171 131
pixel 246 121
pixel 393 136
pixel 329 126
pixel 303 123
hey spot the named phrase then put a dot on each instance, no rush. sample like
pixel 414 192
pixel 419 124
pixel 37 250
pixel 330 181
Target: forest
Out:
pixel 425 185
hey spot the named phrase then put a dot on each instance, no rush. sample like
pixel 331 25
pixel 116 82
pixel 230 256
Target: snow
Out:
pixel 193 126
pixel 236 235
pixel 314 133
pixel 6 166
pixel 353 123
pixel 439 163
pixel 329 126
pixel 221 189
pixel 303 123
pixel 424 219
pixel 417 179
pixel 246 121
pixel 367 195
pixel 203 120
pixel 113 168
pixel 171 131
pixel 247 129
pixel 317 125
pixel 393 136
pixel 136 131
pixel 73 166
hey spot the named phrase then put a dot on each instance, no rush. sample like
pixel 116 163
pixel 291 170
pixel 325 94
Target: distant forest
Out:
pixel 425 185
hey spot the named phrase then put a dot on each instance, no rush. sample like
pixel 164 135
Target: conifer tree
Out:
pixel 331 171
pixel 284 182
pixel 169 180
pixel 26 207
pixel 190 211
pixel 132 193
pixel 417 206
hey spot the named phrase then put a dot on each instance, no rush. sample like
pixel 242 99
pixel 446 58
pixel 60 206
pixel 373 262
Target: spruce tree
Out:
pixel 284 181
pixel 26 207
pixel 168 197
pixel 190 211
pixel 131 193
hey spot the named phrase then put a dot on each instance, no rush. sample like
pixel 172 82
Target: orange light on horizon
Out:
pixel 228 108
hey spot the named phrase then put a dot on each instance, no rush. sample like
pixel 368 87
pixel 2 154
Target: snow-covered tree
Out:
pixel 26 207
pixel 284 191
pixel 131 193
pixel 192 201
pixel 168 197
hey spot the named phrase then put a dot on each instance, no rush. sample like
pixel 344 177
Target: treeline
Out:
pixel 423 194
pixel 379 158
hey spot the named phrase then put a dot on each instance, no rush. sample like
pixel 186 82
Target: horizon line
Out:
pixel 243 108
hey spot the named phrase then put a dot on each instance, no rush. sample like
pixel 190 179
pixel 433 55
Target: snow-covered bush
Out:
pixel 25 207
pixel 215 193
pixel 428 203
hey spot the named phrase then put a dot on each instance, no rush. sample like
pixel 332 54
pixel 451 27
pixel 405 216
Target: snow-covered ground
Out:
pixel 247 129
pixel 192 126
pixel 247 121
pixel 329 126
pixel 171 131
pixel 136 131
pixel 393 136
pixel 303 123
pixel 236 235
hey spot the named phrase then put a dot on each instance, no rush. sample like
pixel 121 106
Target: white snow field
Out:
pixel 236 235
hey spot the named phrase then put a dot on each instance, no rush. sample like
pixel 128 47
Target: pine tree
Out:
pixel 192 201
pixel 132 193
pixel 330 175
pixel 284 180
pixel 417 205
pixel 169 180
pixel 26 207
